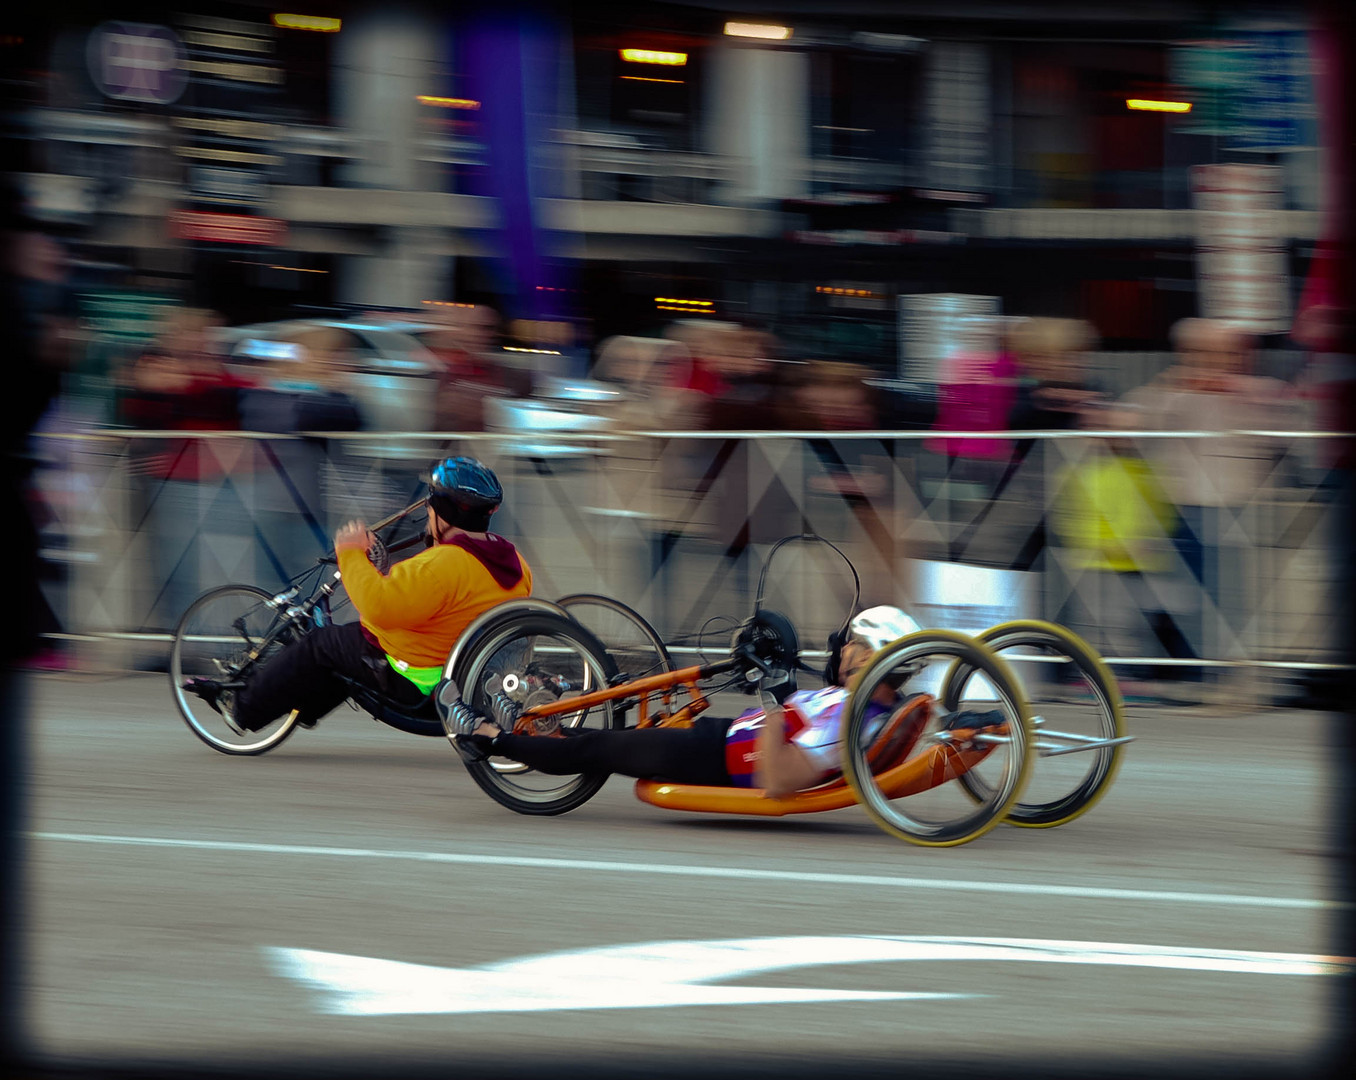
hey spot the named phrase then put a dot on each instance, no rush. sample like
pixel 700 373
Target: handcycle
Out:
pixel 900 770
pixel 227 632
pixel 546 657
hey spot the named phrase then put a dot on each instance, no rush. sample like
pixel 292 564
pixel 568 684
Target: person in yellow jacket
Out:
pixel 408 618
pixel 1114 520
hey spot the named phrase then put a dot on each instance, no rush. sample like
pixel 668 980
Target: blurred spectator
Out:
pixel 1053 390
pixel 31 292
pixel 753 391
pixel 180 384
pixel 307 393
pixel 833 397
pixel 733 375
pixel 474 368
pixel 704 373
pixel 1116 521
pixel 829 396
pixel 647 373
pixel 977 392
pixel 1212 480
pixel 978 387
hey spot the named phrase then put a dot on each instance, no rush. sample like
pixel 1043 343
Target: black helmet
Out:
pixel 464 493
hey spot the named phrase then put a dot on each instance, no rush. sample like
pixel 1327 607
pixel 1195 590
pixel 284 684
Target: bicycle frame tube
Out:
pixel 651 684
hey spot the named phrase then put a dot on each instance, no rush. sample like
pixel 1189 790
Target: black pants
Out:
pixel 694 755
pixel 305 676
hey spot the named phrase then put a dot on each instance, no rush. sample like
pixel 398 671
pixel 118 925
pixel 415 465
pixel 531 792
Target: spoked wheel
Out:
pixel 223 636
pixel 538 658
pixel 633 643
pixel 1076 710
pixel 917 801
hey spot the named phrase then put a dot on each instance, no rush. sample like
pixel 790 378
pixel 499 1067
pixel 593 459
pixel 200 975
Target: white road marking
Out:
pixel 729 872
pixel 667 973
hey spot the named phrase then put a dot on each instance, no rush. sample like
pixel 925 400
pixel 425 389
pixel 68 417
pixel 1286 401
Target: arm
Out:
pixel 783 768
pixel 406 597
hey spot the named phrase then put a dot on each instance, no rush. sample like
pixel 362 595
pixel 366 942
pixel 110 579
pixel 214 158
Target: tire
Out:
pixel 213 640
pixel 1070 689
pixel 942 814
pixel 634 645
pixel 559 646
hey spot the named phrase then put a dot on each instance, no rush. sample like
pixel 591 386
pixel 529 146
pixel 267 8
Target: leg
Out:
pixel 303 676
pixel 694 755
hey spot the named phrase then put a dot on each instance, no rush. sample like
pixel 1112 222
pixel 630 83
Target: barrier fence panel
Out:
pixel 1191 550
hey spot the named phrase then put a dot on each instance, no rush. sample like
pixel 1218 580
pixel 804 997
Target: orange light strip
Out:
pixel 653 56
pixel 1150 105
pixel 642 78
pixel 835 291
pixel 308 22
pixel 447 102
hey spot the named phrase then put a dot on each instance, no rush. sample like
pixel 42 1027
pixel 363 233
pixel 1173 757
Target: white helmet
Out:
pixel 878 626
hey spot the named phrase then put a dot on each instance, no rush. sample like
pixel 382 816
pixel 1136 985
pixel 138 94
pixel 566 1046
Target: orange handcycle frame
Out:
pixel 893 766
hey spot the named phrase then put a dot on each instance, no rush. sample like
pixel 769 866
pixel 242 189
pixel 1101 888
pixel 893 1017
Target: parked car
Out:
pixel 392 371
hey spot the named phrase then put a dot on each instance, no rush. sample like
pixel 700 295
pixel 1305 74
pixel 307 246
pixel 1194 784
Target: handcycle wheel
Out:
pixel 633 643
pixel 226 631
pixel 1073 694
pixel 536 657
pixel 939 813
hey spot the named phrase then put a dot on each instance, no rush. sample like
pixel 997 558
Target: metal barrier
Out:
pixel 678 524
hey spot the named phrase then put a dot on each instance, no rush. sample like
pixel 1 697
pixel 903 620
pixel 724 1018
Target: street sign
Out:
pixel 137 62
pixel 227 228
pixel 1241 271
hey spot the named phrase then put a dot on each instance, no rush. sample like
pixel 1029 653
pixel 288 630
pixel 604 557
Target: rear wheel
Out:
pixel 931 810
pixel 1074 700
pixel 633 643
pixel 538 658
pixel 223 636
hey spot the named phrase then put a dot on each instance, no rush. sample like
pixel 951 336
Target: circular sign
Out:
pixel 137 62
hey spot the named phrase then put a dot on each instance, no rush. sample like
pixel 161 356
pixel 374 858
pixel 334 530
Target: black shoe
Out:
pixel 219 696
pixel 207 689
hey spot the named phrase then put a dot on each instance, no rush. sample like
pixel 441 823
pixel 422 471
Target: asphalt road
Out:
pixel 354 898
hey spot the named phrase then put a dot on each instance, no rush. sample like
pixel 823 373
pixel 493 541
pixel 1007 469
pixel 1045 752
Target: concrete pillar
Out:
pixel 383 60
pixel 404 274
pixel 758 117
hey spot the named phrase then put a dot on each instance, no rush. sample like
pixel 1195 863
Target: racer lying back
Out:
pixel 794 742
pixel 409 618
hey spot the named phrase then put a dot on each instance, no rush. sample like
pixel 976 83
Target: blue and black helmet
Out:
pixel 464 492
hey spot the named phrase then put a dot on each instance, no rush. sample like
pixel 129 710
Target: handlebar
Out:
pixel 384 523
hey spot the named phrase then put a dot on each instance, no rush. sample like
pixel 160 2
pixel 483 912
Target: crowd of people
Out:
pixel 1119 508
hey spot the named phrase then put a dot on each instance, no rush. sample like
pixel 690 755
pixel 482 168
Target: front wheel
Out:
pixel 536 658
pixel 223 636
pixel 1078 713
pixel 917 801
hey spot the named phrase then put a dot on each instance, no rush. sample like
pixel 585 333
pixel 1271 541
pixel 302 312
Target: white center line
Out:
pixel 727 872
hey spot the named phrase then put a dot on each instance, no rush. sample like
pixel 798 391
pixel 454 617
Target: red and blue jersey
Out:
pixel 814 722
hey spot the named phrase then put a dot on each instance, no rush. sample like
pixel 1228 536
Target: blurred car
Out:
pixel 558 407
pixel 393 375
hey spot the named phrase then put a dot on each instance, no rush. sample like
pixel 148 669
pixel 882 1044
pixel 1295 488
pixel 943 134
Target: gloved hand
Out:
pixel 778 684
